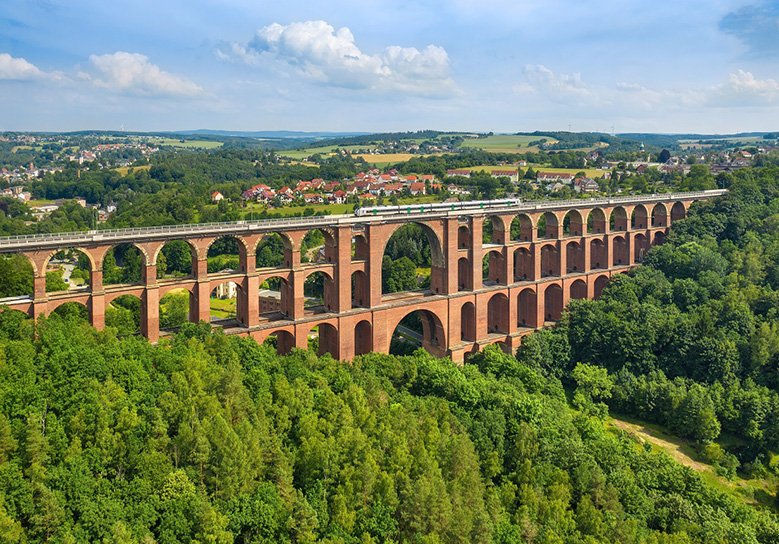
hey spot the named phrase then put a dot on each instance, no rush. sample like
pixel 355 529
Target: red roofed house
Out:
pixel 418 188
pixel 338 197
pixel 550 177
pixel 216 196
pixel 513 175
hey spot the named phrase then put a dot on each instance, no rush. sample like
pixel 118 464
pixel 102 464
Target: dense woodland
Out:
pixel 209 438
pixel 217 439
pixel 691 339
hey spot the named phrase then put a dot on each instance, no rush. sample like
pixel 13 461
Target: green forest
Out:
pixel 208 438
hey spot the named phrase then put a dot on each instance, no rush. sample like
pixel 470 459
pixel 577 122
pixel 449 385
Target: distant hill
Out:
pixel 273 134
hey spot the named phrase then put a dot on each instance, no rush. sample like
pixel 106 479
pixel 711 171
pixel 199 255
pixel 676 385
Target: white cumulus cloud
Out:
pixel 744 89
pixel 132 73
pixel 320 52
pixel 13 68
pixel 555 86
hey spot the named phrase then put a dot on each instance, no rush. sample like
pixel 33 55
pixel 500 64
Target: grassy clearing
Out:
pixel 223 307
pixel 590 172
pixel 187 144
pixel 40 202
pixel 124 170
pixel 504 143
pixel 755 492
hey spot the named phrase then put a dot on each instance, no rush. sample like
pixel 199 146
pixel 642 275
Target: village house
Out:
pixel 458 172
pixel 551 177
pixel 216 196
pixel 513 175
pixel 585 185
pixel 418 188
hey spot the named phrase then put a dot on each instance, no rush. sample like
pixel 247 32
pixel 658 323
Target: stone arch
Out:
pixel 618 219
pixel 468 322
pixel 497 229
pixel 326 334
pixel 467 354
pixel 284 341
pixel 360 290
pixel 553 302
pixel 273 250
pixel 227 245
pixel 498 314
pixel 504 346
pixel 599 255
pixel 176 307
pixel 578 290
pixel 433 332
pixel 175 258
pixel 437 262
pixel 658 238
pixel 574 257
pixel 433 239
pixel 527 308
pixel 548 226
pixel 524 268
pixel 550 260
pixel 638 218
pixel 322 288
pixel 312 252
pixel 222 309
pixel 640 247
pixel 70 308
pixel 599 285
pixel 360 247
pixel 73 273
pixel 464 272
pixel 522 228
pixel 620 251
pixel 596 221
pixel 275 300
pixel 573 224
pixel 363 337
pixel 124 263
pixel 463 237
pixel 493 267
pixel 678 211
pixel 13 315
pixel 125 312
pixel 659 215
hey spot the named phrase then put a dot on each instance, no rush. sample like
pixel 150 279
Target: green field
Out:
pixel 504 143
pixel 124 170
pixel 185 144
pixel 223 307
pixel 590 172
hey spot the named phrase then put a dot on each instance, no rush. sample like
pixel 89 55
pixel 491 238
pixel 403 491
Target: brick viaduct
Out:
pixel 531 277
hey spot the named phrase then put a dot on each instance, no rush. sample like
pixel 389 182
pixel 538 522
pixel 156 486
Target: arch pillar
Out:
pixel 562 255
pixel 451 255
pixel 477 225
pixel 586 249
pixel 298 302
pixel 200 305
pixel 150 313
pixel 342 278
pixel 376 237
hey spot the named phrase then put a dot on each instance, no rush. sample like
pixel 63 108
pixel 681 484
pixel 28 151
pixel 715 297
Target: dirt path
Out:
pixel 672 446
pixel 750 491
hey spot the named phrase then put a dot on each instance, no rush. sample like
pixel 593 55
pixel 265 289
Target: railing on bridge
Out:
pixel 15 243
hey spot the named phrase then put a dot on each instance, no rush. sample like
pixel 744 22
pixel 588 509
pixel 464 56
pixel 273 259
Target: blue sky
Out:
pixel 374 65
